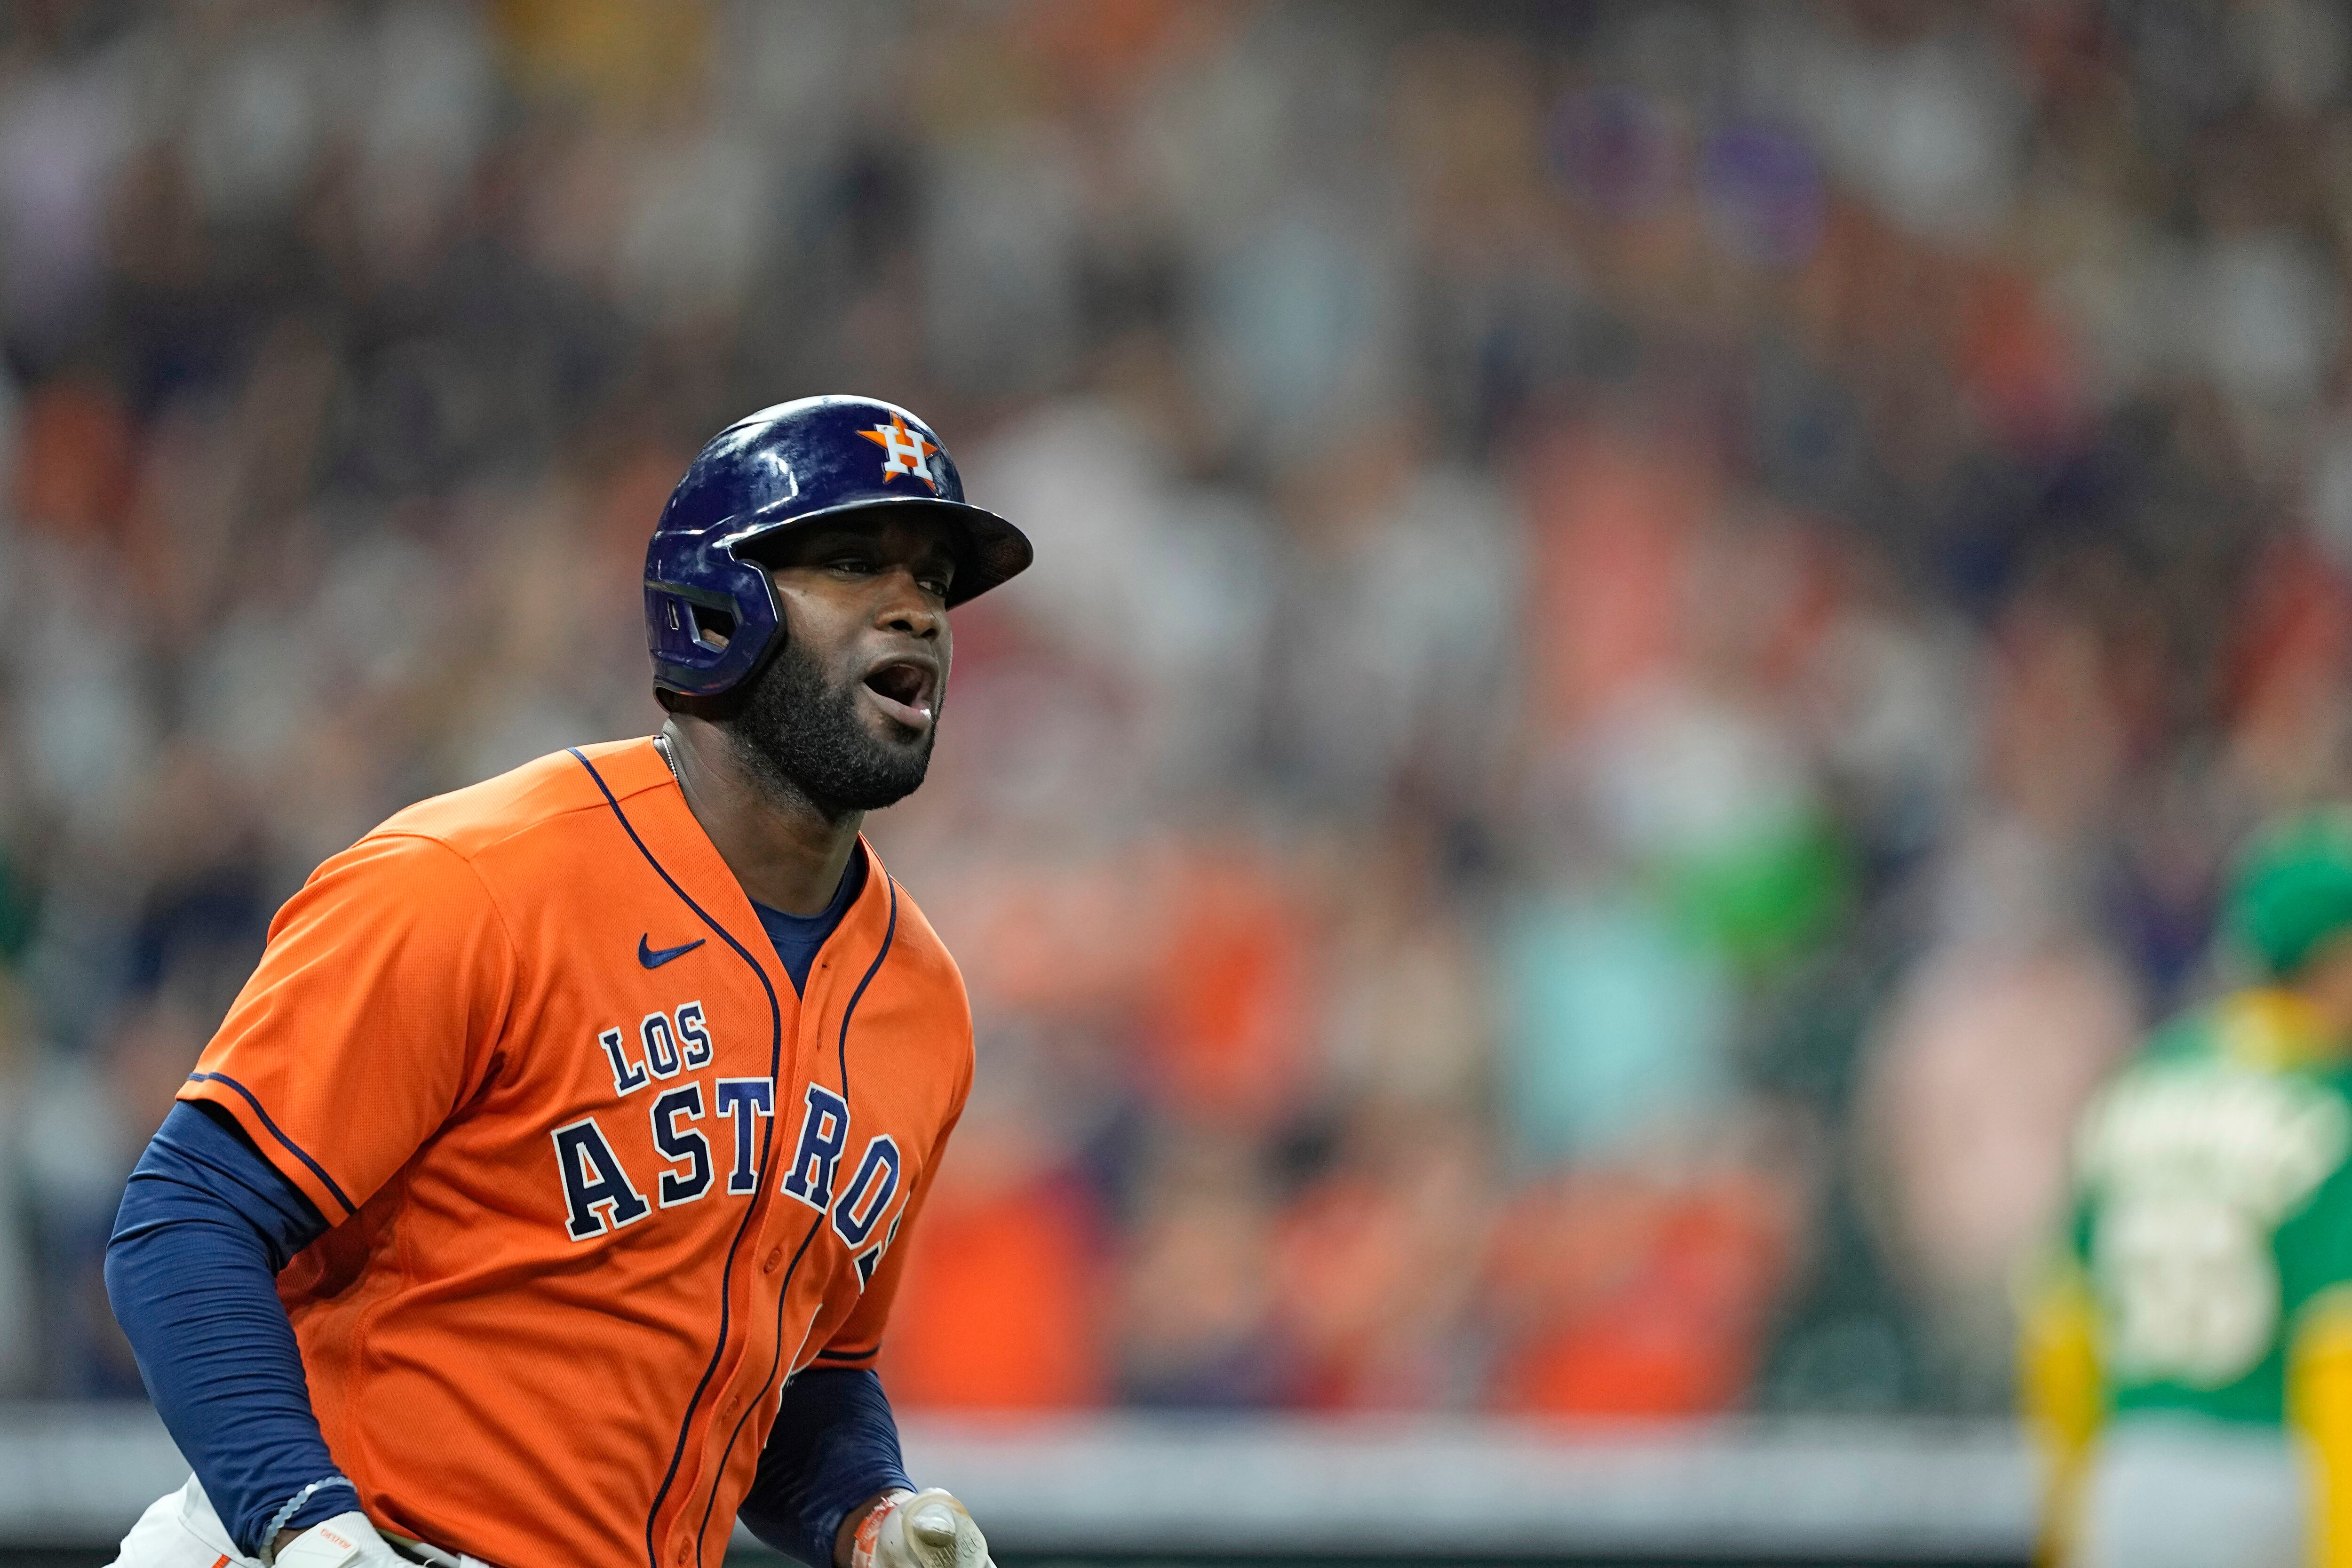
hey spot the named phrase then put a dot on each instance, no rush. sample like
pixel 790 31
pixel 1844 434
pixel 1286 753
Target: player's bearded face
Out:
pixel 803 726
pixel 845 713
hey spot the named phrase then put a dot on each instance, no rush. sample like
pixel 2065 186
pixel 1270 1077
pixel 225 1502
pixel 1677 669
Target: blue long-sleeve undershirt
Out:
pixel 206 1224
pixel 834 1444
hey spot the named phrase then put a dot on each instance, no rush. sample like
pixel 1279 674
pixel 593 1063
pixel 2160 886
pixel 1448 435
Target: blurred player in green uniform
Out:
pixel 2188 1361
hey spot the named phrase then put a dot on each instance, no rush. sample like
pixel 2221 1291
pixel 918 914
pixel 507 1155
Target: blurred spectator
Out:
pixel 1376 1265
pixel 1637 1293
pixel 1007 1312
pixel 1989 1052
pixel 1195 1314
pixel 1620 1031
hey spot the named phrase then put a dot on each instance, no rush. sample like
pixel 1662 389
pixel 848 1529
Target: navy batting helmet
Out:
pixel 711 615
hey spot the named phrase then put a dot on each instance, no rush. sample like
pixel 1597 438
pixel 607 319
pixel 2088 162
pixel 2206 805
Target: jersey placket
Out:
pixel 787 1237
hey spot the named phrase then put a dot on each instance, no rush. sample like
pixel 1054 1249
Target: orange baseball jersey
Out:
pixel 597 1180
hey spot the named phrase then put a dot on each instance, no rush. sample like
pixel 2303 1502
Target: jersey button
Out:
pixel 775 1257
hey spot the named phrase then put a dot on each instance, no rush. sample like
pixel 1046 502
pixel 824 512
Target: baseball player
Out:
pixel 2188 1361
pixel 542 1196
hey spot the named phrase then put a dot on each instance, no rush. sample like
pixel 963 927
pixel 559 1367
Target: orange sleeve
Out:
pixel 859 1339
pixel 372 1016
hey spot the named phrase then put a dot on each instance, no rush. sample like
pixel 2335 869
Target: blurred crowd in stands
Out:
pixel 1652 619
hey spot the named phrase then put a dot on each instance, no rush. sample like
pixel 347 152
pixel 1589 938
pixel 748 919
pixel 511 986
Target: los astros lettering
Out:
pixel 600 1197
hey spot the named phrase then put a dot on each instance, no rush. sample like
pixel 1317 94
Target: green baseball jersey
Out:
pixel 2213 1203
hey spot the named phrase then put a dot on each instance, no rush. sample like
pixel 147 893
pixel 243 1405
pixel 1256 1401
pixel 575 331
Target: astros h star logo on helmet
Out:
pixel 903 451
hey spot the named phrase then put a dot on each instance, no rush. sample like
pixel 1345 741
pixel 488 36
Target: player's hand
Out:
pixel 346 1540
pixel 928 1528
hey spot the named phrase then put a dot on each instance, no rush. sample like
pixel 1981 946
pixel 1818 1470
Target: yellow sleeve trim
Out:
pixel 2319 1410
pixel 2061 1397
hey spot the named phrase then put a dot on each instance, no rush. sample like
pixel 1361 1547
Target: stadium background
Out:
pixel 1652 620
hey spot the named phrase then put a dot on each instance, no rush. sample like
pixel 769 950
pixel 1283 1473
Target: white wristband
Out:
pixel 292 1506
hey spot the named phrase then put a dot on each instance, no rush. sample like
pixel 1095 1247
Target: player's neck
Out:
pixel 788 854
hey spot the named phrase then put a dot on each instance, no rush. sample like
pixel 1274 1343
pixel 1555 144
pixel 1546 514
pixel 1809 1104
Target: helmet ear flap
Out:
pixel 707 627
pixel 704 641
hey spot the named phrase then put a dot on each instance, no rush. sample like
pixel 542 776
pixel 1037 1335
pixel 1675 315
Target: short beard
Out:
pixel 803 738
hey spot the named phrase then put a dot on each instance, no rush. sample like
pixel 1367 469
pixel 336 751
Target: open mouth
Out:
pixel 904 690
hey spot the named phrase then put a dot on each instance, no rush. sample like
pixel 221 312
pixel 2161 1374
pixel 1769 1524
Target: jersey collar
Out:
pixel 641 781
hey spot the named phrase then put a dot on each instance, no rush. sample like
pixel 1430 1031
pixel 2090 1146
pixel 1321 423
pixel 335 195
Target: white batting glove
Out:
pixel 928 1528
pixel 346 1540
